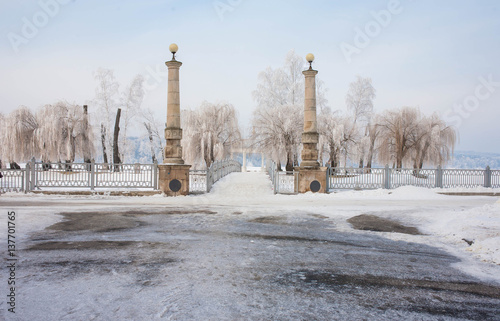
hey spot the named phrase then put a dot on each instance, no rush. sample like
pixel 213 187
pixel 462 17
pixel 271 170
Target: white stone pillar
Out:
pixel 173 175
pixel 310 135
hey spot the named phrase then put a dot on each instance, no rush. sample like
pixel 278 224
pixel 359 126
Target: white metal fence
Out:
pixel 219 169
pixel 388 178
pixel 283 182
pixel 38 176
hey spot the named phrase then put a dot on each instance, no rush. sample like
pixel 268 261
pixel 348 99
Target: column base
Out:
pixel 311 179
pixel 174 179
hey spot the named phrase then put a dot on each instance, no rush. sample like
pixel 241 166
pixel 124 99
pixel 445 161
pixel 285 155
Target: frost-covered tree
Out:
pixel 359 99
pixel 277 131
pixel 374 130
pixel 278 120
pixel 64 132
pixel 19 136
pixel 399 134
pixel 154 134
pixel 435 143
pixel 209 132
pixel 130 102
pixel 409 138
pixel 359 102
pixel 109 100
pixel 3 145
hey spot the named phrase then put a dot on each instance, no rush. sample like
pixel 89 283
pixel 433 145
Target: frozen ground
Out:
pixel 243 253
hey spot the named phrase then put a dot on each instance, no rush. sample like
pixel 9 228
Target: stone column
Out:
pixel 173 131
pixel 310 136
pixel 173 174
pixel 311 176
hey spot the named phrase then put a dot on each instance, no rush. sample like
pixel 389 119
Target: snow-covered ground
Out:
pixel 232 208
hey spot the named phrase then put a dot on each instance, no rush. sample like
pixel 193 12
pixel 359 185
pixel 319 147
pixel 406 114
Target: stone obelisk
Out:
pixel 312 177
pixel 173 173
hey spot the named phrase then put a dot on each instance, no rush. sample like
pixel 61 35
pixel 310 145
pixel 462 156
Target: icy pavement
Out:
pixel 242 253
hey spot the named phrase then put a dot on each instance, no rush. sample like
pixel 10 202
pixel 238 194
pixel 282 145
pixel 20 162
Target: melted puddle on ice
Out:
pixel 105 221
pixel 377 224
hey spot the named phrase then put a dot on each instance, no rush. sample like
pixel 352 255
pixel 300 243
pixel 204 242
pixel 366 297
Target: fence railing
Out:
pixel 219 169
pixel 39 175
pixel 389 178
pixel 198 181
pixel 92 175
pixel 13 180
pixel 283 182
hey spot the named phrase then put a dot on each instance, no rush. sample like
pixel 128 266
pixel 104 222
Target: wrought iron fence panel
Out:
pixel 286 182
pixel 413 177
pixel 467 178
pixel 125 175
pixel 495 178
pixel 62 174
pixel 356 178
pixel 13 180
pixel 197 181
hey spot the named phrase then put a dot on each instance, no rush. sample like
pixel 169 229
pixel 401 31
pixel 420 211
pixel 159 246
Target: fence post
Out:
pixel 387 172
pixel 487 177
pixel 155 175
pixel 92 174
pixel 439 177
pixel 26 178
pixel 327 178
pixel 33 175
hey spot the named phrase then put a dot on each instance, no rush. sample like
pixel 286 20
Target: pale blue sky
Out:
pixel 431 54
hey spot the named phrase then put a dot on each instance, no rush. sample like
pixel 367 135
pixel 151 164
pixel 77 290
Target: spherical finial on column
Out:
pixel 310 59
pixel 173 49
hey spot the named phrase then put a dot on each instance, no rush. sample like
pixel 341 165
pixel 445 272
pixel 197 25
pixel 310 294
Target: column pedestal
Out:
pixel 311 179
pixel 174 179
